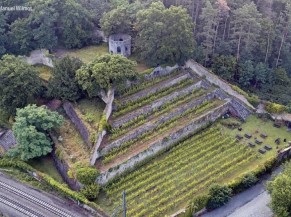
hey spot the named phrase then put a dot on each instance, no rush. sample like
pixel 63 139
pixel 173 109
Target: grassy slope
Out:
pixel 46 165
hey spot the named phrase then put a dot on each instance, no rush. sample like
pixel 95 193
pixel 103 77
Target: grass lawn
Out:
pixel 45 72
pixel 46 165
pixel 256 126
pixel 90 111
pixel 87 54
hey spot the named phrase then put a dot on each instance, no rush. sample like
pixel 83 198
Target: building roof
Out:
pixel 7 140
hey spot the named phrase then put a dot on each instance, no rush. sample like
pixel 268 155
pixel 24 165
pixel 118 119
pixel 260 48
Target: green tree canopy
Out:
pixel 31 128
pixel 116 21
pixel 63 83
pixel 218 196
pixel 104 72
pixel 164 35
pixel 18 83
pixel 280 190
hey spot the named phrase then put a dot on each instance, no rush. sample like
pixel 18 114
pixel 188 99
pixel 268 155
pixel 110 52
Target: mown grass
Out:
pixel 256 126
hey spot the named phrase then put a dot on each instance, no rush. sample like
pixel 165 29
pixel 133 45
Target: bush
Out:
pixel 218 196
pixel 91 191
pixel 198 203
pixel 275 108
pixel 243 183
pixel 87 175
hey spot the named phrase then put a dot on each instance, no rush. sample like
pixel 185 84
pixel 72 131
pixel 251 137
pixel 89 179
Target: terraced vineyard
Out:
pixel 163 114
pixel 170 181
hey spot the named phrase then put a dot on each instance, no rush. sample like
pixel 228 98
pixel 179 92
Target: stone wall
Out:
pixel 161 71
pixel 120 44
pixel 156 104
pixel 71 113
pixel 39 57
pixel 107 111
pixel 195 125
pixel 212 78
pixel 284 154
pixel 149 126
pixel 63 167
pixel 168 83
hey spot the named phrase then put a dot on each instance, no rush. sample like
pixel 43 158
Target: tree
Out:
pixel 246 28
pixel 18 83
pixel 3 36
pixel 31 128
pixel 63 83
pixel 116 21
pixel 261 74
pixel 280 190
pixel 218 196
pixel 225 67
pixel 87 175
pixel 104 72
pixel 164 35
pixel 246 73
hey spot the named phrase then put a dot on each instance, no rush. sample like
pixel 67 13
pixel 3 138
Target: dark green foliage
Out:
pixel 104 72
pixel 116 21
pixel 18 83
pixel 87 175
pixel 91 191
pixel 31 128
pixel 249 180
pixel 63 83
pixel 280 190
pixel 164 35
pixel 218 196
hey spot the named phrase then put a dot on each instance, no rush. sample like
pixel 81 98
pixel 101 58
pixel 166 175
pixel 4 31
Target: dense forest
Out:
pixel 245 42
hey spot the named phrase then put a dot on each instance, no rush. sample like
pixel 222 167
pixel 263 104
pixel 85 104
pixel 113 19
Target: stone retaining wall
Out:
pixel 71 113
pixel 195 125
pixel 212 78
pixel 39 57
pixel 107 111
pixel 161 71
pixel 156 104
pixel 149 126
pixel 168 83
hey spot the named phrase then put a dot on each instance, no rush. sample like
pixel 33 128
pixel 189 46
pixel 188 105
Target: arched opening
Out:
pixel 120 39
pixel 118 50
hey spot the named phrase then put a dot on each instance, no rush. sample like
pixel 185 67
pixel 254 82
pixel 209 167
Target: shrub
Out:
pixel 198 203
pixel 218 196
pixel 87 175
pixel 249 180
pixel 91 191
pixel 275 108
pixel 230 123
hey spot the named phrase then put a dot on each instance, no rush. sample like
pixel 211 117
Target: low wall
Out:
pixel 284 154
pixel 156 104
pixel 195 125
pixel 107 111
pixel 161 120
pixel 71 113
pixel 161 71
pixel 212 78
pixel 63 167
pixel 39 57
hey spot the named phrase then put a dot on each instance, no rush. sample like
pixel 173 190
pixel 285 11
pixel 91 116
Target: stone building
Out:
pixel 120 44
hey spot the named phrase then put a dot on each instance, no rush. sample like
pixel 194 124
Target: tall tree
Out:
pixel 63 83
pixel 18 83
pixel 116 21
pixel 246 28
pixel 31 128
pixel 164 35
pixel 104 72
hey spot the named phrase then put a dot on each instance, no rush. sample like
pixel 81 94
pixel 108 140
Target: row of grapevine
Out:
pixel 141 119
pixel 188 115
pixel 132 105
pixel 171 180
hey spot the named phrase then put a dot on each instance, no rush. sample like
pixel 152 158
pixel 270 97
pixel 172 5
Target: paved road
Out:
pixel 250 203
pixel 19 200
